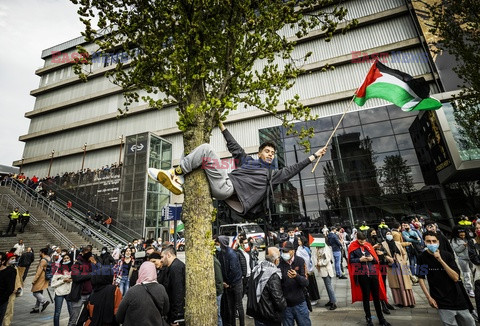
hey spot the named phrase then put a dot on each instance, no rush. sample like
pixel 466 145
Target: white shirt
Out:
pixel 20 248
pixel 247 258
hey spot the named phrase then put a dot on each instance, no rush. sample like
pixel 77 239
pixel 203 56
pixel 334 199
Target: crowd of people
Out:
pixel 280 290
pixel 405 254
pixel 104 289
pixel 67 179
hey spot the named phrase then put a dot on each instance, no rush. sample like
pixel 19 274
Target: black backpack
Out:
pixel 48 270
pixel 252 295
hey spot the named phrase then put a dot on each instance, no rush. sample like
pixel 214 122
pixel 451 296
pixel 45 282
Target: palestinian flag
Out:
pixel 397 87
pixel 180 227
pixel 316 240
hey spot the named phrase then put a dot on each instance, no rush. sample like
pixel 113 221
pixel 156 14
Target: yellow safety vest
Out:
pixel 364 228
pixel 14 215
pixel 383 226
pixel 465 223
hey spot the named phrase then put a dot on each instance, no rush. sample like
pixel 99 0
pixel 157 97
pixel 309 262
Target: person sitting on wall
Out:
pixel 245 188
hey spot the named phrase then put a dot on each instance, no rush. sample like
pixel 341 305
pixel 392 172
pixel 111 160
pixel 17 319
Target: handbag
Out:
pixel 163 321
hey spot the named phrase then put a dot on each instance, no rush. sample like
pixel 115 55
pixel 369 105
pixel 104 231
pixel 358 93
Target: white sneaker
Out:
pixel 168 179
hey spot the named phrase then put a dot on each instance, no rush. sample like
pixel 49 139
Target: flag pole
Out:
pixel 334 130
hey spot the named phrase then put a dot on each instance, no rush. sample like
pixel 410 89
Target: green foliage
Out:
pixel 207 57
pixel 457 23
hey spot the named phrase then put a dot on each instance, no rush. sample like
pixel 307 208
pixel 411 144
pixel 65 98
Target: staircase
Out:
pixel 48 223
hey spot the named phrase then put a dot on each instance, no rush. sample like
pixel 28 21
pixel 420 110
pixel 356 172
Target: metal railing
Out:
pixel 63 240
pixel 83 206
pixel 58 215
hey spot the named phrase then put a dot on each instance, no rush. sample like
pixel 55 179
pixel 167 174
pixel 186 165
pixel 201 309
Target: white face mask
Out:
pixel 286 256
pixel 11 262
pixel 104 251
pixel 66 262
pixel 389 237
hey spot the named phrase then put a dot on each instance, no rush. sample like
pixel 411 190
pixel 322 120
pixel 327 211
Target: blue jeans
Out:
pixel 328 285
pixel 298 313
pixel 338 260
pixel 124 285
pixel 58 308
pixel 413 264
pixel 219 300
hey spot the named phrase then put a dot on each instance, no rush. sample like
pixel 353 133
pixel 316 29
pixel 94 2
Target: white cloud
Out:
pixel 26 28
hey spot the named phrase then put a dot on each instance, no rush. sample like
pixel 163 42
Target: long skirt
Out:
pixel 401 296
pixel 313 287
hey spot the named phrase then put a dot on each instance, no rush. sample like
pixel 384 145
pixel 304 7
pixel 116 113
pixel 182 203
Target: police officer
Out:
pixel 14 215
pixel 364 227
pixel 24 219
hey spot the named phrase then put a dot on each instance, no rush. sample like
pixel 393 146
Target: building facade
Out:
pixel 350 184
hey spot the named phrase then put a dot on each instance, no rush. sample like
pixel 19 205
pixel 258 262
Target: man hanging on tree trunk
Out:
pixel 246 187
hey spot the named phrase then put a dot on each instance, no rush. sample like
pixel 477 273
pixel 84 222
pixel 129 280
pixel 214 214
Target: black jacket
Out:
pixel 293 287
pixel 250 179
pixel 243 262
pixel 106 259
pixel 176 290
pixel 26 259
pixel 272 303
pixel 80 276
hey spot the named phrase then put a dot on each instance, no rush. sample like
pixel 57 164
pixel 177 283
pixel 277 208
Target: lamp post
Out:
pixel 84 153
pixel 51 161
pixel 21 165
pixel 120 155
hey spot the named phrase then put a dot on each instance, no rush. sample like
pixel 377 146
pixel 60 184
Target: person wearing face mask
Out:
pixel 11 263
pixel 442 273
pixel 123 271
pixel 442 239
pixel 7 282
pixel 232 282
pixel 376 243
pixel 398 273
pixel 105 257
pixel 294 283
pixel 365 278
pixel 414 250
pixel 245 262
pixel 62 283
pixel 266 302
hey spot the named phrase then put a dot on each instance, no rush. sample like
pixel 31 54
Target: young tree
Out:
pixel 206 58
pixel 457 25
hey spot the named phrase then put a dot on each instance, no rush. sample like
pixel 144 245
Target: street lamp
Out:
pixel 21 165
pixel 51 161
pixel 120 155
pixel 84 153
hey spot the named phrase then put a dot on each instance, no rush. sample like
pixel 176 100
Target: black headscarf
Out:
pixel 373 240
pixel 103 297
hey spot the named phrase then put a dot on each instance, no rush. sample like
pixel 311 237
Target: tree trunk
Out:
pixel 200 301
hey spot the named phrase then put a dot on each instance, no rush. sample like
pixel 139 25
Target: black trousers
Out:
pixel 369 284
pixel 12 225
pixel 231 303
pixel 22 227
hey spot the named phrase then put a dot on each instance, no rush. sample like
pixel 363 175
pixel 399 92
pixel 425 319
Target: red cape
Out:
pixel 356 290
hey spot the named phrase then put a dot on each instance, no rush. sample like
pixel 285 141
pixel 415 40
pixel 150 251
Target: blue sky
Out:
pixel 26 28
